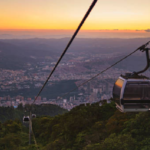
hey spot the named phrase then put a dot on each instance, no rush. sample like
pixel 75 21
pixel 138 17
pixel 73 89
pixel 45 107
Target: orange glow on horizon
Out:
pixel 71 30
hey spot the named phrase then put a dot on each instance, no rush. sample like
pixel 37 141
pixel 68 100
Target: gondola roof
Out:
pixel 134 76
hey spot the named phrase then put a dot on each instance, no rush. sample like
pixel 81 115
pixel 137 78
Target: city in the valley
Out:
pixel 22 82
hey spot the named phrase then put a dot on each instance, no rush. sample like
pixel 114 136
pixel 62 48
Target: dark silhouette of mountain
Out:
pixel 16 53
pixel 81 44
pixel 16 56
pixel 132 63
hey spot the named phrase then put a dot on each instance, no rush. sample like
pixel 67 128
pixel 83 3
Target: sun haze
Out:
pixel 66 14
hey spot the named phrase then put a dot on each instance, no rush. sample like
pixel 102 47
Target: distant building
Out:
pixel 29 99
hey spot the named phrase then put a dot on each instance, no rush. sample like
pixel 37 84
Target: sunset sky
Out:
pixel 66 14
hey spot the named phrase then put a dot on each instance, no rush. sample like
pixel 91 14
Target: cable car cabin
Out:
pixel 33 115
pixel 132 94
pixel 26 119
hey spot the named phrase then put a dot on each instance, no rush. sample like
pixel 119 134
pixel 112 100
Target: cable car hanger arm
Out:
pixel 143 48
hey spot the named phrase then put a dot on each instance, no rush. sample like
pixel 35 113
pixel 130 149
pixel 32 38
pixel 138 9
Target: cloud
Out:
pixel 148 30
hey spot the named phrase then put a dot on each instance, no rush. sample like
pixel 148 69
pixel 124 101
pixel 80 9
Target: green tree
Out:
pixel 114 142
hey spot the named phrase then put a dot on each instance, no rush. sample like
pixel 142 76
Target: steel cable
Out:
pixel 68 45
pixel 140 48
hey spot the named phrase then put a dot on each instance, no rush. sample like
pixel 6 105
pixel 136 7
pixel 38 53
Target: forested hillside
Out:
pixel 90 127
pixel 10 113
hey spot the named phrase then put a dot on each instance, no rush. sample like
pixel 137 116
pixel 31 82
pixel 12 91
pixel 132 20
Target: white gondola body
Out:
pixel 134 105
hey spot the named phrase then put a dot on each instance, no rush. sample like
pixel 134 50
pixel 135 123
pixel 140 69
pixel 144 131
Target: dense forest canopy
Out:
pixel 90 127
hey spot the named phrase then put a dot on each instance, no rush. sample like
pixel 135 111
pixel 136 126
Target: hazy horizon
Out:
pixel 27 34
